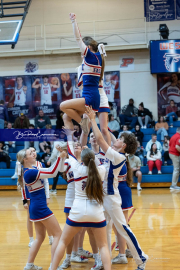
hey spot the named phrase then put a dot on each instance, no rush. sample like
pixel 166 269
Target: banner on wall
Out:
pixel 178 9
pixel 29 94
pixel 46 94
pixel 17 94
pixel 168 87
pixel 158 10
pixel 127 63
pixel 31 67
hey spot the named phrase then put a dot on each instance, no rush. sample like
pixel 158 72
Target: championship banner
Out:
pixel 158 10
pixel 178 9
pixel 168 87
pixel 46 94
pixel 111 85
pixel 165 56
pixel 17 94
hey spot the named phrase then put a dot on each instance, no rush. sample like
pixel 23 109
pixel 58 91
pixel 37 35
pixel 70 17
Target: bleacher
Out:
pixel 155 179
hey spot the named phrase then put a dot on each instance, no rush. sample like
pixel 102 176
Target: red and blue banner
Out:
pixel 165 56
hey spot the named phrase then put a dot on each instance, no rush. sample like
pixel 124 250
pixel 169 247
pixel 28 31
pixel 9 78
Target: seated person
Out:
pixel 135 164
pixel 138 134
pixel 125 129
pixel 153 140
pixel 34 144
pixel 154 159
pixel 11 145
pixel 46 156
pixel 161 127
pixel 171 113
pixel 166 149
pixel 144 116
pixel 4 154
pixel 113 125
pixel 129 113
pixel 140 152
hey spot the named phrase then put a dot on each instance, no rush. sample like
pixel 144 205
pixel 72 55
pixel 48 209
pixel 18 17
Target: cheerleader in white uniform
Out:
pixel 112 199
pixel 38 210
pixel 87 209
pixel 26 200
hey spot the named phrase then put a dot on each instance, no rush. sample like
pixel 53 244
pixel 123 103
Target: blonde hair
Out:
pixel 20 157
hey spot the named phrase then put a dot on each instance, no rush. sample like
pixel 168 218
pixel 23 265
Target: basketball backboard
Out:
pixel 9 32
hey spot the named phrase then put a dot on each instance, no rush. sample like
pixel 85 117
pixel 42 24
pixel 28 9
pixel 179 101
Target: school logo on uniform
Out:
pixel 83 185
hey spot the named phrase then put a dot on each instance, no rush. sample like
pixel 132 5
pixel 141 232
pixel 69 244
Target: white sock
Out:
pixel 31 239
pixel 50 237
pixel 68 256
pixel 116 239
pixel 121 255
pixel 74 253
pixel 29 265
pixel 80 249
pixel 96 256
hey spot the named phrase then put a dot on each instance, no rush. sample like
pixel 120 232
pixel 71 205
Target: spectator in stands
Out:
pixel 77 132
pixel 125 129
pixel 21 122
pixel 129 113
pixel 144 116
pixel 34 144
pixel 161 127
pixel 113 125
pixel 59 122
pixel 51 160
pixel 174 153
pixel 154 159
pixel 138 134
pixel 140 152
pixel 11 145
pixel 135 164
pixel 46 156
pixel 171 113
pixel 166 149
pixel 42 120
pixel 153 140
pixel 113 110
pixel 43 145
pixel 3 114
pixel 4 154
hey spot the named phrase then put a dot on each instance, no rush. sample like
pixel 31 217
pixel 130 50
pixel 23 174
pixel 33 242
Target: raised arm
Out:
pixel 97 133
pixel 77 34
pixel 35 84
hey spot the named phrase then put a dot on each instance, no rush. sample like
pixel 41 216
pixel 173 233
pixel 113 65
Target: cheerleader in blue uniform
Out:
pixel 93 70
pixel 87 209
pixel 26 200
pixel 39 213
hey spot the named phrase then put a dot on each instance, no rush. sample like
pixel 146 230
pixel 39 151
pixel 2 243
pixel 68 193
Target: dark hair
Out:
pixel 47 147
pixel 136 126
pixel 89 41
pixel 45 76
pixel 94 189
pixel 172 100
pixel 151 150
pixel 142 105
pixel 173 74
pixel 131 99
pixel 31 125
pixel 160 117
pixel 154 134
pixel 126 126
pixel 1 101
pixel 19 77
pixel 2 143
pixel 131 147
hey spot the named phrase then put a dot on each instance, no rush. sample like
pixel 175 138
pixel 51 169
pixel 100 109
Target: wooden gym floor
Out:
pixel 155 222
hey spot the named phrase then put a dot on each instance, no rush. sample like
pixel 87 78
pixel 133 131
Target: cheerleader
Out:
pixel 87 209
pixel 126 144
pixel 26 200
pixel 40 214
pixel 93 70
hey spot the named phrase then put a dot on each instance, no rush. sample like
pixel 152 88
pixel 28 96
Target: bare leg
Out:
pixel 29 223
pixel 74 108
pixel 76 241
pixel 81 239
pixel 70 246
pixel 40 236
pixel 101 239
pixel 103 121
pixel 68 233
pixel 92 241
pixel 54 229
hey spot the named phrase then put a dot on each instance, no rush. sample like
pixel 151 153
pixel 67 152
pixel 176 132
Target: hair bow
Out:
pixel 101 49
pixel 18 164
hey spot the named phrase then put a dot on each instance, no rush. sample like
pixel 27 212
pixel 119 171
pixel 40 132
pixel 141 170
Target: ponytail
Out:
pixel 94 188
pixel 20 161
pixel 129 178
pixel 20 178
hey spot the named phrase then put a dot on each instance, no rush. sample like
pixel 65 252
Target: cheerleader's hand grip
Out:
pixel 72 16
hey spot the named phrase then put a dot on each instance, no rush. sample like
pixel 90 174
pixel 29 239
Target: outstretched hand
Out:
pixel 90 113
pixel 72 16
